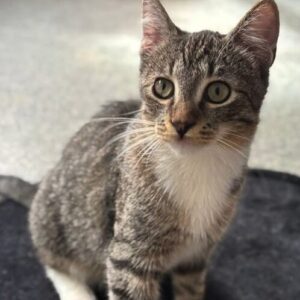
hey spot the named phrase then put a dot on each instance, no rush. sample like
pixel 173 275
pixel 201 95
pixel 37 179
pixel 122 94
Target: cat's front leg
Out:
pixel 189 281
pixel 131 277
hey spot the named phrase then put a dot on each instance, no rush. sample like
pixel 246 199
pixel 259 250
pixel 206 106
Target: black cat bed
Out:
pixel 259 259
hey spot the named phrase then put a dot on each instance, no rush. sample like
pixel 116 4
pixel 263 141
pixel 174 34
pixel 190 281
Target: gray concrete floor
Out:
pixel 60 59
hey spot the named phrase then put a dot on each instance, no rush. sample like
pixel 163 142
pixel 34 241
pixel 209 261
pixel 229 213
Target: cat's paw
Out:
pixel 69 288
pixel 78 294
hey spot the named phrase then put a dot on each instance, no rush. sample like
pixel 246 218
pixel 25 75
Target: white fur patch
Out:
pixel 69 288
pixel 199 181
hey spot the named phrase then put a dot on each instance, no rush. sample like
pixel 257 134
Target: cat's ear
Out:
pixel 259 30
pixel 157 25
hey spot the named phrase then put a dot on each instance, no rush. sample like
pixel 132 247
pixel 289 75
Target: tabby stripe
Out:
pixel 118 239
pixel 211 69
pixel 184 58
pixel 186 288
pixel 172 68
pixel 236 186
pixel 186 270
pixel 121 293
pixel 253 106
pixel 245 120
pixel 139 272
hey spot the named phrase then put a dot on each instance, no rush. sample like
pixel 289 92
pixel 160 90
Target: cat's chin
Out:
pixel 184 147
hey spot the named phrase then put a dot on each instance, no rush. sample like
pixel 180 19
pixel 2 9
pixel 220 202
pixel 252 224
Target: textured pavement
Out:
pixel 61 59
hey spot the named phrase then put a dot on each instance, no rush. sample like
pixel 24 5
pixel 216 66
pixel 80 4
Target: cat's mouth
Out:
pixel 186 145
pixel 186 142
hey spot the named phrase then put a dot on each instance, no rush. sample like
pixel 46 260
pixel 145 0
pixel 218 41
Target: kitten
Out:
pixel 138 195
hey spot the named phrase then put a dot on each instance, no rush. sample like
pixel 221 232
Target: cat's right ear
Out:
pixel 258 31
pixel 157 25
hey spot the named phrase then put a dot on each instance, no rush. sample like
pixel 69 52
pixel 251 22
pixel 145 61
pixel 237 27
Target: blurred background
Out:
pixel 61 59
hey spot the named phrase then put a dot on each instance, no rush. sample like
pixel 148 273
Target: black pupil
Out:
pixel 163 88
pixel 218 91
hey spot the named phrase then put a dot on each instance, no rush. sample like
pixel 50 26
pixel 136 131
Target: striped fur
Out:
pixel 132 198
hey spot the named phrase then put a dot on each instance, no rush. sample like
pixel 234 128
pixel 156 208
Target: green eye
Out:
pixel 163 88
pixel 218 92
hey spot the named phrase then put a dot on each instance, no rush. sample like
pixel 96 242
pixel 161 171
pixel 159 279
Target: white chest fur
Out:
pixel 199 182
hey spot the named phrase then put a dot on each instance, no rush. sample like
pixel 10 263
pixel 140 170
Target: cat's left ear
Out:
pixel 157 25
pixel 259 30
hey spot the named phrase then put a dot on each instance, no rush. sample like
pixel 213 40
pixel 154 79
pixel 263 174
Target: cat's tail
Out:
pixel 17 189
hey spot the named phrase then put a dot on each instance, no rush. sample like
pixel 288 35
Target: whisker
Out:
pixel 145 150
pixel 225 143
pixel 154 147
pixel 118 124
pixel 132 112
pixel 151 152
pixel 233 133
pixel 113 126
pixel 136 144
pixel 232 143
pixel 221 157
pixel 128 133
pixel 114 119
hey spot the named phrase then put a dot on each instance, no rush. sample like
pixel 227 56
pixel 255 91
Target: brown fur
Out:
pixel 131 199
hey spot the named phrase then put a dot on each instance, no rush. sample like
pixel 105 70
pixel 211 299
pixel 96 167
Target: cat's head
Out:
pixel 203 86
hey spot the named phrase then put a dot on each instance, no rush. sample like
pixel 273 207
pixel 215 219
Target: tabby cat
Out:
pixel 148 188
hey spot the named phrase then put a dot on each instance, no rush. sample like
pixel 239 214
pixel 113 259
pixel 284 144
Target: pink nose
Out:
pixel 182 127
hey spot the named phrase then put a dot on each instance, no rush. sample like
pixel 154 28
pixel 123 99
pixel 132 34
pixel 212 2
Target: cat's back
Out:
pixel 78 193
pixel 91 151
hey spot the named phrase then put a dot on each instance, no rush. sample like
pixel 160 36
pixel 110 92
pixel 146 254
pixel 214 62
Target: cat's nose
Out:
pixel 182 127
